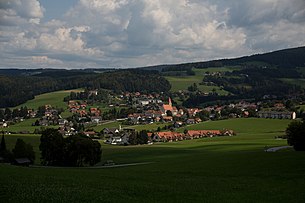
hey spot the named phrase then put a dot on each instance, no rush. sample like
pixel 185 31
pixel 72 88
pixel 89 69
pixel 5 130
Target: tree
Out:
pixel 23 150
pixel 132 138
pixel 3 144
pixel 75 150
pixel 295 133
pixel 8 114
pixel 143 137
pixel 4 153
pixel 203 115
pixel 80 150
pixel 51 147
pixel 169 113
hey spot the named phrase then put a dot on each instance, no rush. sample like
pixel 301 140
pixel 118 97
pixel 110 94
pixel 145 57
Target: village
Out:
pixel 138 109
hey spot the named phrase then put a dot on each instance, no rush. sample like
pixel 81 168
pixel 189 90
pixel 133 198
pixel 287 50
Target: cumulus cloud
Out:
pixel 131 33
pixel 14 12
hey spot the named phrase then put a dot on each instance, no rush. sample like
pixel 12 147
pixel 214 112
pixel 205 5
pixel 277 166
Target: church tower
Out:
pixel 169 101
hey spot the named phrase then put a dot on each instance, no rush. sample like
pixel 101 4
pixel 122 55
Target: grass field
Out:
pixel 25 125
pixel 221 169
pixel 294 81
pixel 55 99
pixel 110 124
pixel 153 126
pixel 183 82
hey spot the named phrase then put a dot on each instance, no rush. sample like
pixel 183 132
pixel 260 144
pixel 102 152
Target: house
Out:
pixel 96 119
pixel 190 121
pixel 3 125
pixel 144 102
pixel 62 122
pixel 178 124
pixel 110 131
pixel 93 92
pixel 90 134
pixel 118 139
pixel 277 115
pixel 193 112
pixel 95 111
pixel 195 134
pixel 198 120
pixel 167 136
pixel 167 118
pixel 82 113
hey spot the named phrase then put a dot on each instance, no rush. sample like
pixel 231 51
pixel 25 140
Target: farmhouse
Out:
pixel 189 135
pixel 195 134
pixel 167 136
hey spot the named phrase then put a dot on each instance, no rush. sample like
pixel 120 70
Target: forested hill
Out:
pixel 287 58
pixel 15 90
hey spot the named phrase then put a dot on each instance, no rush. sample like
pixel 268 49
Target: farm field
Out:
pixel 221 169
pixel 183 82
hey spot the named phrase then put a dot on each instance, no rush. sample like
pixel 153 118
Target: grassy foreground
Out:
pixel 222 169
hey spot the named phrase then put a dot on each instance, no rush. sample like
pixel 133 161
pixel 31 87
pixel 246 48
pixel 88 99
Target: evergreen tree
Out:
pixel 23 150
pixel 3 144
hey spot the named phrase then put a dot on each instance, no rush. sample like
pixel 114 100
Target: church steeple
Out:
pixel 169 101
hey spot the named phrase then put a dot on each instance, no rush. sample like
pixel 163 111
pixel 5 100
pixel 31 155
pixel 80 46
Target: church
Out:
pixel 168 107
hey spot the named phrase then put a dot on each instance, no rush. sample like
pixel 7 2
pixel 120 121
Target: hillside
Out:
pixel 15 90
pixel 278 73
pixel 286 58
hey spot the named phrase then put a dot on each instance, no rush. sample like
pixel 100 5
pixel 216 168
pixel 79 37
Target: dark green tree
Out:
pixel 4 153
pixel 8 114
pixel 169 113
pixel 23 150
pixel 142 137
pixel 295 133
pixel 51 147
pixel 133 138
pixel 80 150
pixel 3 144
pixel 204 115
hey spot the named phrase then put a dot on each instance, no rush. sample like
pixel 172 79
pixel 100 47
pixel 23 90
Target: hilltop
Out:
pixel 286 58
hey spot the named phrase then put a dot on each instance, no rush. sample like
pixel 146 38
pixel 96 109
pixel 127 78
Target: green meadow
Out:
pixel 220 169
pixel 294 81
pixel 183 82
pixel 25 125
pixel 55 99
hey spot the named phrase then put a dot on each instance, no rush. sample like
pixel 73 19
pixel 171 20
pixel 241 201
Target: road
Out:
pixel 274 149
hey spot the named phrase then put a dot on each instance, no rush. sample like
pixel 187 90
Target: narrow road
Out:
pixel 95 167
pixel 274 149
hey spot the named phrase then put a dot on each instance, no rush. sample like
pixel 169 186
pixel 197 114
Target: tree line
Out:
pixel 15 90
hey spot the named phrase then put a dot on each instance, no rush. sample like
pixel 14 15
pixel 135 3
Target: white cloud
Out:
pixel 145 32
pixel 14 12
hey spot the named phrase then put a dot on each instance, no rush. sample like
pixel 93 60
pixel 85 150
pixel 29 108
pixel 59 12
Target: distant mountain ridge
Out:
pixel 286 58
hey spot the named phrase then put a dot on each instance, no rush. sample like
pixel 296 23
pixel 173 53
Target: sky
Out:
pixel 134 33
